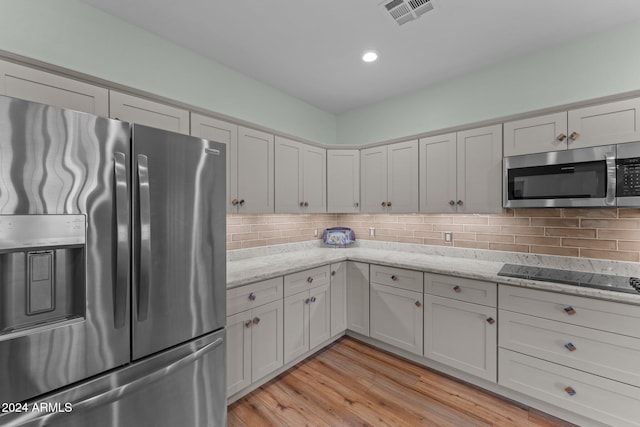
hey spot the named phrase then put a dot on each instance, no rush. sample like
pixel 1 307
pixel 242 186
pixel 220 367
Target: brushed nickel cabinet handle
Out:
pixel 570 310
pixel 307 301
pixel 389 204
pixel 306 204
pixel 459 203
pixel 384 204
pixel 491 320
pixel 333 273
pixel 569 346
pixel 457 289
pixel 570 391
pixel 418 304
pixel 252 296
pixel 394 278
pixel 561 137
pixel 574 136
pixel 301 204
pixel 309 279
pixel 247 324
pixel 256 320
pixel 452 202
pixel 313 299
pixel 241 202
pixel 235 202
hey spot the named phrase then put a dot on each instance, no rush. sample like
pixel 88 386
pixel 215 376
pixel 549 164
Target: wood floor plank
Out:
pixel 353 384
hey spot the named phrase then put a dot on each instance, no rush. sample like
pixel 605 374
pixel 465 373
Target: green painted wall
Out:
pixel 71 34
pixel 598 65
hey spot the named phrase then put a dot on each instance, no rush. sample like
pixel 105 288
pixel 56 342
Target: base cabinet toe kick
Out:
pixel 574 357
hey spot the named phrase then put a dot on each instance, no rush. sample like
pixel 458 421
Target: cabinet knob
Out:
pixel 306 204
pixel 570 391
pixel 491 320
pixel 570 310
pixel 384 204
pixel 561 137
pixel 333 273
pixel 418 304
pixel 459 203
pixel 452 202
pixel 457 289
pixel 235 202
pixel 389 204
pixel 309 279
pixel 356 204
pixel 252 296
pixel 241 202
pixel 301 204
pixel 307 301
pixel 574 136
pixel 394 278
pixel 256 320
pixel 247 324
pixel 569 346
pixel 313 299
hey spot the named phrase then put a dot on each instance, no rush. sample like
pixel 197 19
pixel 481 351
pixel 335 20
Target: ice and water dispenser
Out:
pixel 42 270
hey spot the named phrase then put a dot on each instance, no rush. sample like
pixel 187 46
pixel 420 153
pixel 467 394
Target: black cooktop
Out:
pixel 629 285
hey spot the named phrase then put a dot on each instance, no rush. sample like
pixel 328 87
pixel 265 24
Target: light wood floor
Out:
pixel 352 384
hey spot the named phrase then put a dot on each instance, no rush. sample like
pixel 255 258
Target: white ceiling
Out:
pixel 311 49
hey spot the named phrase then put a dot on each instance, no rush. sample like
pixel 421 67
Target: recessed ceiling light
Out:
pixel 369 56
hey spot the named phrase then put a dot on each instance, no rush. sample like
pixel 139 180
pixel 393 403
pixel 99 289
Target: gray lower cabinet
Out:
pixel 396 310
pixel 459 331
pixel 358 297
pixel 338 298
pixel 307 311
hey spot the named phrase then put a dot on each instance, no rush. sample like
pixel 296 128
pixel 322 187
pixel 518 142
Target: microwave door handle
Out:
pixel 610 198
pixel 144 270
pixel 121 277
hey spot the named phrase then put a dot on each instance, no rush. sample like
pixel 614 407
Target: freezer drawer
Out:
pixel 184 387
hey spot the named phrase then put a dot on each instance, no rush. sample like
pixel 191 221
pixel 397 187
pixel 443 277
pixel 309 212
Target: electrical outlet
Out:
pixel 372 232
pixel 448 237
pixel 315 232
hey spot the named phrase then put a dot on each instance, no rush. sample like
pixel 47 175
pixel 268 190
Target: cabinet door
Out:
pixel 343 181
pixel 255 171
pixel 397 317
pixel 358 297
pixel 288 176
pixel 47 88
pixel 319 315
pixel 437 173
pixel 296 328
pixel 338 298
pixel 226 133
pixel 373 179
pixel 605 124
pixel 402 179
pixel 238 352
pixel 149 113
pixel 314 179
pixel 266 339
pixel 536 135
pixel 461 335
pixel 480 170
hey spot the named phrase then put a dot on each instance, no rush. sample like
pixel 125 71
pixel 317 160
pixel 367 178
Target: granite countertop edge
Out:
pixel 251 270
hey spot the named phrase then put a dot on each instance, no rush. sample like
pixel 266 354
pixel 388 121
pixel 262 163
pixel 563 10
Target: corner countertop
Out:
pixel 478 265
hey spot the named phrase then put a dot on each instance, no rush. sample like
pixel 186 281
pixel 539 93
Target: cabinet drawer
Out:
pixel 307 279
pixel 253 295
pixel 469 290
pixel 604 400
pixel 397 277
pixel 597 314
pixel 602 353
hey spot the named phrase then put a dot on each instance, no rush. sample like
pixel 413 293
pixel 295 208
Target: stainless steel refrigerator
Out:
pixel 112 272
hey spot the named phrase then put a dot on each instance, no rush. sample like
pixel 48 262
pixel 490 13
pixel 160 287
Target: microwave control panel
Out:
pixel 628 177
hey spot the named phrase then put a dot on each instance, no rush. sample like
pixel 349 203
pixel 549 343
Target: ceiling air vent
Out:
pixel 403 11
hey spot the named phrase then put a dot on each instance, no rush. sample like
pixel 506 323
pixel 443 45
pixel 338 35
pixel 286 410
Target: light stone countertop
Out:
pixel 246 266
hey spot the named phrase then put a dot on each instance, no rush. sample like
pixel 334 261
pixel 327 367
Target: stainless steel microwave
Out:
pixel 605 176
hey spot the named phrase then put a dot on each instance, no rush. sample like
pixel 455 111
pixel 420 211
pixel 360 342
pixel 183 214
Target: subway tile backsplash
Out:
pixel 612 234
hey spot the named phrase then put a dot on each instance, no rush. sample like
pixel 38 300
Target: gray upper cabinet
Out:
pixel 255 171
pixel 604 124
pixel 438 173
pixel 39 86
pixel 479 179
pixel 462 172
pixel 300 177
pixel 226 133
pixel 389 178
pixel 132 109
pixel 343 181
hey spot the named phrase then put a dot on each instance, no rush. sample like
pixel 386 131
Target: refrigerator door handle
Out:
pixel 118 393
pixel 122 241
pixel 144 281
